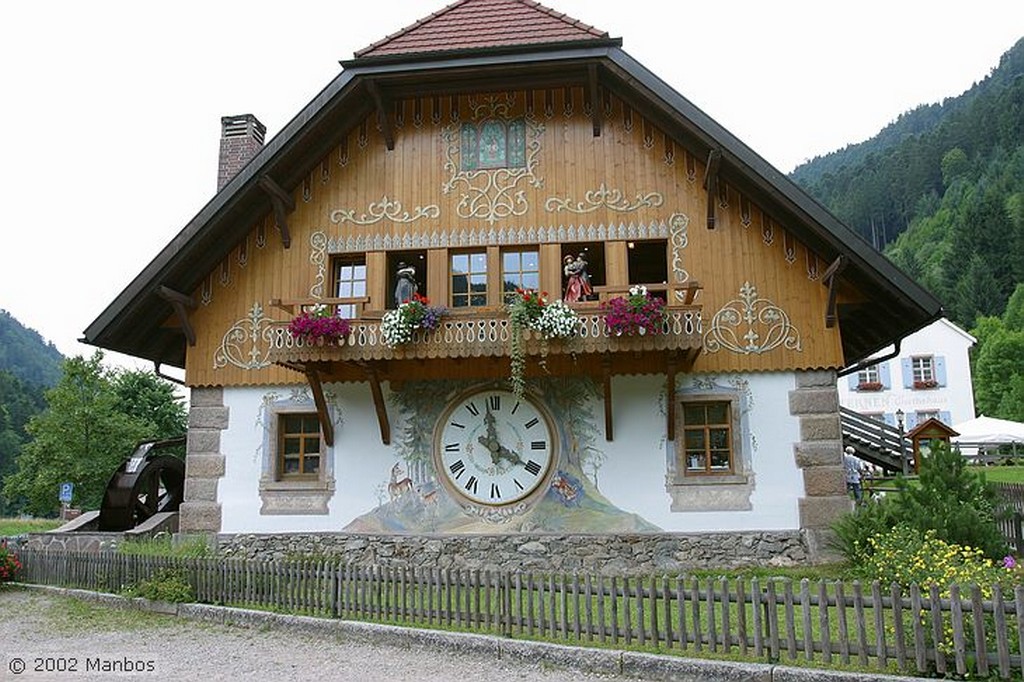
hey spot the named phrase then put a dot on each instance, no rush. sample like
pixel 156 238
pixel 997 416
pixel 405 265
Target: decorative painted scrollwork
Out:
pixel 677 224
pixel 318 257
pixel 767 326
pixel 247 343
pixel 602 197
pixel 491 194
pixel 385 209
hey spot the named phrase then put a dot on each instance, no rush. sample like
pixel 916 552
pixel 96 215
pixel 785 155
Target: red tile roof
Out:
pixel 476 24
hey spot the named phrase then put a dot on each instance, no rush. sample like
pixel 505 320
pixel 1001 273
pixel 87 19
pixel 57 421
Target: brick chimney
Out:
pixel 241 138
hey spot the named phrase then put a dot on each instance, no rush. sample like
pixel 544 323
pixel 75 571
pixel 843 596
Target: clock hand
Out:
pixel 505 453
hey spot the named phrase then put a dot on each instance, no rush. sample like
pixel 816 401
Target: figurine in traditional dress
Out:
pixel 405 284
pixel 577 285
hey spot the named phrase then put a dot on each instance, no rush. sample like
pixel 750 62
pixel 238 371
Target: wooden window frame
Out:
pixel 349 310
pixel 303 436
pixel 488 269
pixel 707 428
pixel 505 295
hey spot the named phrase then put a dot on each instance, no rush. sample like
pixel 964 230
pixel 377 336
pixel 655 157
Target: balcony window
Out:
pixel 469 279
pixel 406 266
pixel 648 264
pixel 349 282
pixel 519 270
pixel 592 255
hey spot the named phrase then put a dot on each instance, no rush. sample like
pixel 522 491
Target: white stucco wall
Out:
pixel 632 473
pixel 941 339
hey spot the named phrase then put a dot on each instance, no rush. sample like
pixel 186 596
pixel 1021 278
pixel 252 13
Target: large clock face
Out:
pixel 493 448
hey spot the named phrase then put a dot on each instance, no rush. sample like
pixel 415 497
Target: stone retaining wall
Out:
pixel 618 555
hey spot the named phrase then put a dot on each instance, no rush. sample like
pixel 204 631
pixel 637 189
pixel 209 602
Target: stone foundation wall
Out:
pixel 73 542
pixel 599 554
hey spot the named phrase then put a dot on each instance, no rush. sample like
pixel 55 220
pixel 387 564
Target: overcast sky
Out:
pixel 111 114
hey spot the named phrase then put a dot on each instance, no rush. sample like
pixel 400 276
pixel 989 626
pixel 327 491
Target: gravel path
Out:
pixel 45 630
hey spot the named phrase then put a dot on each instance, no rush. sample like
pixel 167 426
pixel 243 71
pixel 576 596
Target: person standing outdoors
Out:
pixel 853 482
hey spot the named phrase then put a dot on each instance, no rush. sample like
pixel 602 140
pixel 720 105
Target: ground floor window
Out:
pixel 299 445
pixel 707 436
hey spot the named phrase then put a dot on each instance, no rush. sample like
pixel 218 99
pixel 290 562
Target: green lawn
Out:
pixel 13 526
pixel 1001 474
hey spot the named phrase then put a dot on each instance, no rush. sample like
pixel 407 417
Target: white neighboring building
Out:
pixel 931 377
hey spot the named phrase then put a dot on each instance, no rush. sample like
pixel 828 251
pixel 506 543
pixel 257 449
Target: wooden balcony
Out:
pixel 475 345
pixel 472 341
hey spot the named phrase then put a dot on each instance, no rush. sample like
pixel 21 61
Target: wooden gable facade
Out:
pixel 529 138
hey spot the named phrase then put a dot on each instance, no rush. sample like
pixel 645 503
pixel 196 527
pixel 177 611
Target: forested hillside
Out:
pixel 941 190
pixel 25 354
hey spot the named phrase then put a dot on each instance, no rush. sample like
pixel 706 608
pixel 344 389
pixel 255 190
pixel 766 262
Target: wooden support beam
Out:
pixel 181 303
pixel 670 395
pixel 831 279
pixel 383 114
pixel 606 371
pixel 282 203
pixel 711 184
pixel 317 387
pixel 378 403
pixel 596 105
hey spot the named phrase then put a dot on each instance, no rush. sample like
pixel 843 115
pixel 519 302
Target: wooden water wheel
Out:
pixel 146 484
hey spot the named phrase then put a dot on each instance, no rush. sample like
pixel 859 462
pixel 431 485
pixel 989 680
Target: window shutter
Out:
pixel 908 372
pixel 945 418
pixel 883 375
pixel 940 370
pixel 851 381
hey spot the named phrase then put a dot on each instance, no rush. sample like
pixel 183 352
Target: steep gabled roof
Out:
pixel 483 24
pixel 893 305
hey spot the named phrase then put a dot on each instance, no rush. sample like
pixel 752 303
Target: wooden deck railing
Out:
pixel 487 333
pixel 830 623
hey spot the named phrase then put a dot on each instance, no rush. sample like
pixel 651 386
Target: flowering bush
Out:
pixel 905 555
pixel 637 313
pixel 398 325
pixel 318 324
pixel 531 310
pixel 926 383
pixel 9 563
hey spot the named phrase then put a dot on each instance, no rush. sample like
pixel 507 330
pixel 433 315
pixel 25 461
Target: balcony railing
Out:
pixel 486 334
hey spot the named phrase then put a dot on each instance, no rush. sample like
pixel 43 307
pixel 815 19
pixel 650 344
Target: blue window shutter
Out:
pixel 852 381
pixel 883 375
pixel 945 418
pixel 940 370
pixel 890 418
pixel 908 372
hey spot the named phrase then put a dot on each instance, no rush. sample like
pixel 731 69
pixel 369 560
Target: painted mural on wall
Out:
pixel 416 498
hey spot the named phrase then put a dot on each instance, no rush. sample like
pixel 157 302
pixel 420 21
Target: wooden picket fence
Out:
pixel 824 623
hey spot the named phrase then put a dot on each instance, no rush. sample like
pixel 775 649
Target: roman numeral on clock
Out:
pixel 538 444
pixel 533 422
pixel 473 409
pixel 471 484
pixel 457 468
pixel 494 403
pixel 457 425
pixel 533 467
pixel 451 447
pixel 495 493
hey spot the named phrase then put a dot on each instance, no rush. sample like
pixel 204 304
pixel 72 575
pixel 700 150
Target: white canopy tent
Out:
pixel 988 433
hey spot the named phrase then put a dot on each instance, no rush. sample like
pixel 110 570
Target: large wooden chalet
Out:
pixel 481 147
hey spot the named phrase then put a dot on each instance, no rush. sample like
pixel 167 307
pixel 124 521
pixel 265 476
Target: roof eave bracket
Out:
pixel 181 303
pixel 711 183
pixel 282 203
pixel 383 115
pixel 596 106
pixel 831 280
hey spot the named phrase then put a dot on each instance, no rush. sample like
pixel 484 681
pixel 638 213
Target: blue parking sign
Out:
pixel 66 490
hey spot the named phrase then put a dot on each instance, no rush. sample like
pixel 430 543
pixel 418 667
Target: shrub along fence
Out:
pixel 966 630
